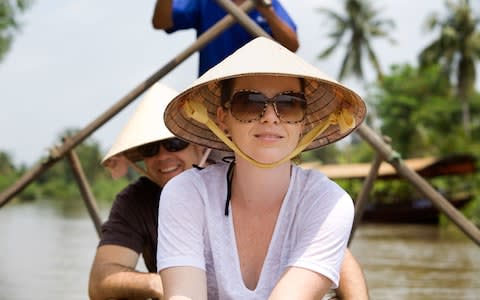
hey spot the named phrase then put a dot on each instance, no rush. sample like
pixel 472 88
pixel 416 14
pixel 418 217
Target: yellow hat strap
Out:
pixel 198 112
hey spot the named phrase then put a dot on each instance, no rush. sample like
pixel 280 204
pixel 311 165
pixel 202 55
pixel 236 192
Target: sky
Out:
pixel 73 59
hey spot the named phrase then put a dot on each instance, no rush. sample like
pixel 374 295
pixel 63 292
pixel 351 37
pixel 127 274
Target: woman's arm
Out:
pixel 352 281
pixel 180 248
pixel 182 283
pixel 323 227
pixel 298 283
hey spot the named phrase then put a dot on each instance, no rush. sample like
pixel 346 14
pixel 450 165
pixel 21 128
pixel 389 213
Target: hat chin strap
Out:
pixel 342 117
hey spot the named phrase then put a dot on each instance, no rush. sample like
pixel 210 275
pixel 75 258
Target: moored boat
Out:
pixel 412 208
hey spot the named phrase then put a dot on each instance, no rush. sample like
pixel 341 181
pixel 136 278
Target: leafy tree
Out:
pixel 59 183
pixel 9 10
pixel 8 172
pixel 6 164
pixel 419 112
pixel 355 32
pixel 325 155
pixel 399 102
pixel 457 49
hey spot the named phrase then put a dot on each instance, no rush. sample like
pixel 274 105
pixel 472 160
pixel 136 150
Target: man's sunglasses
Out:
pixel 248 106
pixel 171 145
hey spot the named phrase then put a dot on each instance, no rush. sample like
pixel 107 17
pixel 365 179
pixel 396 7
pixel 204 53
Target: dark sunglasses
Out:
pixel 247 106
pixel 171 145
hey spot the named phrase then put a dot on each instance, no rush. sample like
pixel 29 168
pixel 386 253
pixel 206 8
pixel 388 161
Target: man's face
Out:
pixel 165 165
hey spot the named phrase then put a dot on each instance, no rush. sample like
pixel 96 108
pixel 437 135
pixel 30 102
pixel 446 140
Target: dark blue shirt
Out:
pixel 203 14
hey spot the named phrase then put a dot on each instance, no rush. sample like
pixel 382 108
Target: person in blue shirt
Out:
pixel 173 15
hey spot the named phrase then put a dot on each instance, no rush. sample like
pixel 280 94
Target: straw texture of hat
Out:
pixel 145 125
pixel 260 57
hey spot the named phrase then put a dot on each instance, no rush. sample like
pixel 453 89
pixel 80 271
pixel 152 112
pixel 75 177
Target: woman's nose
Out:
pixel 269 114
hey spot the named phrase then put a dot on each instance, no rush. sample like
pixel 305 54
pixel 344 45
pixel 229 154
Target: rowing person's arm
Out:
pixel 162 15
pixel 113 276
pixel 281 25
pixel 352 285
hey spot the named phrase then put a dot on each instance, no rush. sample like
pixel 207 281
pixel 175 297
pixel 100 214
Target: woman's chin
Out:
pixel 268 158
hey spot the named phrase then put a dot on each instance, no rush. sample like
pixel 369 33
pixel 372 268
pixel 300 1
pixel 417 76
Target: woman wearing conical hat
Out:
pixel 258 227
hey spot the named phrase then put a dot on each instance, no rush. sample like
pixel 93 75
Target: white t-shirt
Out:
pixel 311 232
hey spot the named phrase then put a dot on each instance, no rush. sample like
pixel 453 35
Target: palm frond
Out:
pixel 357 29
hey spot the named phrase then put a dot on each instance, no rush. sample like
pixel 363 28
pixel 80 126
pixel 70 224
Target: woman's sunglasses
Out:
pixel 171 145
pixel 248 106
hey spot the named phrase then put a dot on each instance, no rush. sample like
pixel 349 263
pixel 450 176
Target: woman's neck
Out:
pixel 254 186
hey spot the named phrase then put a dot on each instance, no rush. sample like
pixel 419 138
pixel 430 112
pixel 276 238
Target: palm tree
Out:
pixel 457 49
pixel 357 30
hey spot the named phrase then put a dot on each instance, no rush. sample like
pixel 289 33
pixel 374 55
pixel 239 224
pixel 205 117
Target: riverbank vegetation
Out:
pixel 58 182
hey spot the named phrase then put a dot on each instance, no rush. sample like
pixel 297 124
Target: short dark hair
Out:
pixel 226 87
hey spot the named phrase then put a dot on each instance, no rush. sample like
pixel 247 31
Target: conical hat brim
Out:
pixel 145 125
pixel 262 57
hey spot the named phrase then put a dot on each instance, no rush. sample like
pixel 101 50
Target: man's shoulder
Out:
pixel 142 185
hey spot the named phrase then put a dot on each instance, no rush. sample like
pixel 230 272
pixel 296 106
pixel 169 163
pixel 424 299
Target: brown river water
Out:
pixel 46 252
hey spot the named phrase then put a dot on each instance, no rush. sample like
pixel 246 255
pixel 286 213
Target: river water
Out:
pixel 46 252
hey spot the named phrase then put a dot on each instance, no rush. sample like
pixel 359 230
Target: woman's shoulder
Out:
pixel 309 175
pixel 315 194
pixel 316 181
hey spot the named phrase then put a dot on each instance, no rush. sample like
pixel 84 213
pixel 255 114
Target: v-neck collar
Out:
pixel 273 241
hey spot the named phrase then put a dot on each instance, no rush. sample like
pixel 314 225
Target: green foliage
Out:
pixel 9 10
pixel 8 172
pixel 32 192
pixel 105 189
pixel 6 180
pixel 58 188
pixel 326 155
pixel 359 152
pixel 6 164
pixel 457 50
pixel 472 211
pixel 419 113
pixel 58 182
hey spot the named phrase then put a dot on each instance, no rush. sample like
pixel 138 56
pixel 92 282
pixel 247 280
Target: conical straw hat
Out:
pixel 145 125
pixel 259 57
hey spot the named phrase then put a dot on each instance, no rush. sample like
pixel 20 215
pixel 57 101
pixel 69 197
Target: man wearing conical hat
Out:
pixel 258 227
pixel 131 228
pixel 270 15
